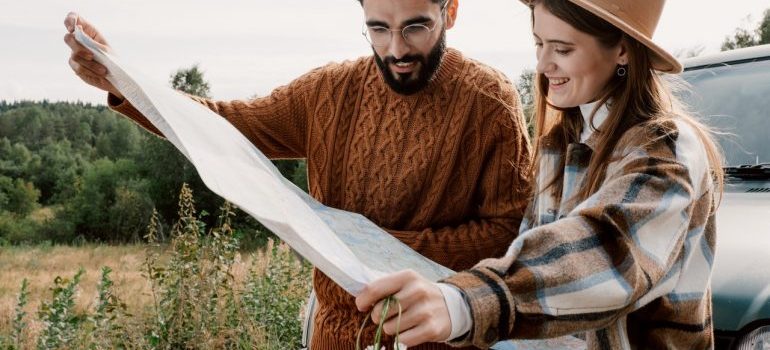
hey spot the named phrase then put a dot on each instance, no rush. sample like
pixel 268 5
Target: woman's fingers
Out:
pixel 384 287
pixel 424 313
pixel 410 318
pixel 425 332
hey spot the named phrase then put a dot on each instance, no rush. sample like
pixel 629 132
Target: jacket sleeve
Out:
pixel 276 124
pixel 604 259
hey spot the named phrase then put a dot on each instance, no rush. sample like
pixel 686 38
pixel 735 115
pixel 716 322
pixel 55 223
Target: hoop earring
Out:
pixel 622 71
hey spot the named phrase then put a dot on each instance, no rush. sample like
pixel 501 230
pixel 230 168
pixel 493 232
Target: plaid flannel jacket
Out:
pixel 630 266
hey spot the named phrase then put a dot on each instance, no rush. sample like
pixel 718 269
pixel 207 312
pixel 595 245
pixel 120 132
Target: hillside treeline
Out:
pixel 75 172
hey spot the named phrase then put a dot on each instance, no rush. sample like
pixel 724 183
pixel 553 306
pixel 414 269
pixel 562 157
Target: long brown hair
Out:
pixel 639 97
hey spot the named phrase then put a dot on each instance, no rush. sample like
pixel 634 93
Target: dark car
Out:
pixel 730 91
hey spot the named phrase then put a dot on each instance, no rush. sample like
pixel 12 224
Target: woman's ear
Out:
pixel 622 58
pixel 451 13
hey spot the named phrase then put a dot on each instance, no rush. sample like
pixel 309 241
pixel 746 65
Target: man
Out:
pixel 424 142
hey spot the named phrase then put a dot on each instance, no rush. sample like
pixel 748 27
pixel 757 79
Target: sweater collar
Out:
pixel 450 64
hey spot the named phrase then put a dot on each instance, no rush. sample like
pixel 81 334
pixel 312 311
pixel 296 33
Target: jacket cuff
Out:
pixel 459 312
pixel 491 305
pixel 124 107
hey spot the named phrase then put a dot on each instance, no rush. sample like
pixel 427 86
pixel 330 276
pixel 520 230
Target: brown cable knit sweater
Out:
pixel 443 170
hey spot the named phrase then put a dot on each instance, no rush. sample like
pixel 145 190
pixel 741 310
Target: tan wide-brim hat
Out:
pixel 638 19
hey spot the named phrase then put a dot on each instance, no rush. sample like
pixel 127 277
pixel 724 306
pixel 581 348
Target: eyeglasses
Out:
pixel 413 34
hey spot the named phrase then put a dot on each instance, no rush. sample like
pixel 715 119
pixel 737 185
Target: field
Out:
pixel 41 265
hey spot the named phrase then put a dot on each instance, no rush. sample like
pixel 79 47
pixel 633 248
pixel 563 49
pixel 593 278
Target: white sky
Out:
pixel 248 47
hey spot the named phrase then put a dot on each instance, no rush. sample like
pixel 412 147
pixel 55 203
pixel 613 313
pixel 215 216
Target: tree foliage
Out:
pixel 190 81
pixel 77 171
pixel 749 37
pixel 526 88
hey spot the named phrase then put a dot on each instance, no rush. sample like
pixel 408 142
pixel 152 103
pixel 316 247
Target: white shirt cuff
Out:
pixel 459 311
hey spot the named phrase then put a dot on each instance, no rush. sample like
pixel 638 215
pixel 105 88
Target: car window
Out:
pixel 735 99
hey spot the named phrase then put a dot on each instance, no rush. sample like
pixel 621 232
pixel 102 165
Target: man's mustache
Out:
pixel 405 59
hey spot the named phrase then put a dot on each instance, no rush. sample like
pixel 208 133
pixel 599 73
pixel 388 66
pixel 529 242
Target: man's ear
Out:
pixel 451 13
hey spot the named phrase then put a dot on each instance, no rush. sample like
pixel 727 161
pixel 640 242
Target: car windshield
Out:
pixel 735 100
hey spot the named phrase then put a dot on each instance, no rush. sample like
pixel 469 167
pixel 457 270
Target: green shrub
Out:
pixel 58 315
pixel 18 333
pixel 197 303
pixel 107 330
pixel 273 298
pixel 18 230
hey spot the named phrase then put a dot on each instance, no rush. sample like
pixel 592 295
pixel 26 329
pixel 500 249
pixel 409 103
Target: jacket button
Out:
pixel 490 336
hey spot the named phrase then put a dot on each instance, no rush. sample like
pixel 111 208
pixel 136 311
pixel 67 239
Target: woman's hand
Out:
pixel 424 317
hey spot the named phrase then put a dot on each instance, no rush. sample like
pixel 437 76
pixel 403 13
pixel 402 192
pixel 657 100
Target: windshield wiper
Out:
pixel 749 171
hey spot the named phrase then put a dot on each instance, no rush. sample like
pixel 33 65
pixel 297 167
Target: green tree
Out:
pixel 18 196
pixel 526 88
pixel 56 172
pixel 190 81
pixel 747 37
pixel 168 167
pixel 763 30
pixel 111 203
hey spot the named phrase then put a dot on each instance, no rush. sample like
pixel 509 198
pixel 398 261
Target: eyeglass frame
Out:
pixel 402 30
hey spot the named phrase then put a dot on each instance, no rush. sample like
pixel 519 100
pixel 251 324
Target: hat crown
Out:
pixel 638 19
pixel 642 15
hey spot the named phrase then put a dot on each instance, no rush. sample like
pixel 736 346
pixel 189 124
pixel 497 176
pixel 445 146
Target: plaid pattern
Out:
pixel 630 266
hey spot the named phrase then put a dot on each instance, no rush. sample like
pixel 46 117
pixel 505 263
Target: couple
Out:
pixel 606 234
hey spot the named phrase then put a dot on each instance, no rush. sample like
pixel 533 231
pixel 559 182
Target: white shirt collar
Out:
pixel 599 118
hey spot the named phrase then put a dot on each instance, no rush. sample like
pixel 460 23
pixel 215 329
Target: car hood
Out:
pixel 741 277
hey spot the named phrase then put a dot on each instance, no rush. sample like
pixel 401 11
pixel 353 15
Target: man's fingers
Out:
pixel 91 65
pixel 95 81
pixel 77 48
pixel 70 21
pixel 73 20
pixel 91 31
pixel 87 68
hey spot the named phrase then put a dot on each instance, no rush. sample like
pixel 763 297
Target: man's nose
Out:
pixel 398 46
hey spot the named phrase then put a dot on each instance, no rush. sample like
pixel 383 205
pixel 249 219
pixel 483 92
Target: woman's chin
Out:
pixel 561 103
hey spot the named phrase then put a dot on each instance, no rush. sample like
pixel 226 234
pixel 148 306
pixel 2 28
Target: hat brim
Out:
pixel 661 60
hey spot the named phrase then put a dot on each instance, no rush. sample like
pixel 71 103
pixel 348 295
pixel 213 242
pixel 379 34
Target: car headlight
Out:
pixel 758 339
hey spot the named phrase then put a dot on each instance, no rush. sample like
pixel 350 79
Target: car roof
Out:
pixel 761 52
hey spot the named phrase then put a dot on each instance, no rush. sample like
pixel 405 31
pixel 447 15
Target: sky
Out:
pixel 249 47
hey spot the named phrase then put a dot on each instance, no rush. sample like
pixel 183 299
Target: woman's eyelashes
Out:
pixel 558 50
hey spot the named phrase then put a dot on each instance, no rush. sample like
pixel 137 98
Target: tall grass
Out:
pixel 195 297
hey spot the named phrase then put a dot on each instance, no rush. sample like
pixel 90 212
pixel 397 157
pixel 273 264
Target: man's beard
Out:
pixel 404 84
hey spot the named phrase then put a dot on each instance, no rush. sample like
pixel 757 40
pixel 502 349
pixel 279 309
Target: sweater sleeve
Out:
pixel 603 260
pixel 500 197
pixel 276 124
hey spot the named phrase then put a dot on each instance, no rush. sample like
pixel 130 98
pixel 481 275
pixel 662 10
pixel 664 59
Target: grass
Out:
pixel 196 292
pixel 40 265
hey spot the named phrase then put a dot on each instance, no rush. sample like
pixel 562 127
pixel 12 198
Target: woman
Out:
pixel 619 237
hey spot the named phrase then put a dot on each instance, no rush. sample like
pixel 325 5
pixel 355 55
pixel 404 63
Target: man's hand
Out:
pixel 425 316
pixel 81 60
